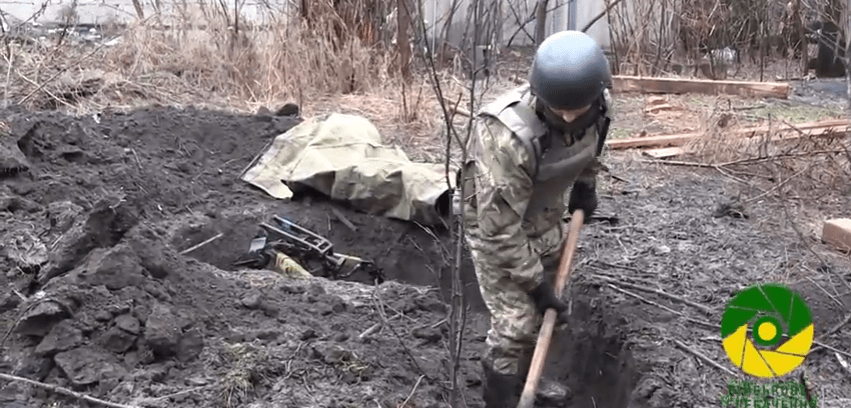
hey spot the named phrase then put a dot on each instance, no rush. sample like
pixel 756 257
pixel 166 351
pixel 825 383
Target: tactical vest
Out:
pixel 556 162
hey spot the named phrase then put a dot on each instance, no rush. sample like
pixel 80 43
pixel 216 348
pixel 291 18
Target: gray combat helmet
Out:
pixel 569 71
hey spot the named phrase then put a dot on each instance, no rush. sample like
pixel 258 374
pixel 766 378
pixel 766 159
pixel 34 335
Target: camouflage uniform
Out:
pixel 514 205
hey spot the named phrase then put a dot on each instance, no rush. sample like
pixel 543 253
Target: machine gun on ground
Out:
pixel 307 248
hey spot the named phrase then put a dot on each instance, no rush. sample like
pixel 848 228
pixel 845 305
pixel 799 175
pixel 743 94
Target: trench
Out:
pixel 591 356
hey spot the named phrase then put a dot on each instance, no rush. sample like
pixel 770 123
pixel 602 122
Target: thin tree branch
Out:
pixel 64 391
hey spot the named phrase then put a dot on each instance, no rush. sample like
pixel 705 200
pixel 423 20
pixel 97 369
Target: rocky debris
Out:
pixel 12 160
pixel 15 204
pixel 63 336
pixel 190 346
pixel 24 249
pixel 103 227
pixel 128 323
pixel 428 335
pixel 9 301
pixel 159 259
pixel 116 268
pixel 87 365
pixel 39 320
pixel 162 331
pixel 117 341
pixel 289 109
pixel 33 367
pixel 61 215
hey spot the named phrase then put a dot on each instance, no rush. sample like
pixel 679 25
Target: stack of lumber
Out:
pixel 672 145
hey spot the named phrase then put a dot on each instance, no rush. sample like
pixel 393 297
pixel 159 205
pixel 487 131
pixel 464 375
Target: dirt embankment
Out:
pixel 97 298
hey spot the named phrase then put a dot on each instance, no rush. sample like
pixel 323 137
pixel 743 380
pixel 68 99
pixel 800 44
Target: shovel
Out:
pixel 546 334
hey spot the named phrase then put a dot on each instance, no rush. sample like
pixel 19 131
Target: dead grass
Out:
pixel 783 163
pixel 249 366
pixel 202 57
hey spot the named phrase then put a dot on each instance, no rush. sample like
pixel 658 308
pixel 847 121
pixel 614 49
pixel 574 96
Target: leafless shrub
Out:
pixel 808 165
pixel 650 36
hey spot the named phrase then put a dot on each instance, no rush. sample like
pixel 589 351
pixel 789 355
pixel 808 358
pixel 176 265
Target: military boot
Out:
pixel 499 390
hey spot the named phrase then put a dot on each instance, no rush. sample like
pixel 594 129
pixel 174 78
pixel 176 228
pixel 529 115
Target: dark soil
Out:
pixel 96 212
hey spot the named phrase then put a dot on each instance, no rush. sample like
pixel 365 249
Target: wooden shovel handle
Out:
pixel 546 334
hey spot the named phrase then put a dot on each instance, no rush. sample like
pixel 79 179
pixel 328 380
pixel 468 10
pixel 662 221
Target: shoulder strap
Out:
pixel 522 120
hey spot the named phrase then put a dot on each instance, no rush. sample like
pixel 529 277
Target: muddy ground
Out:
pixel 97 298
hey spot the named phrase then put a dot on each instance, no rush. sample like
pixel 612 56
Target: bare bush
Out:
pixel 650 37
pixel 798 164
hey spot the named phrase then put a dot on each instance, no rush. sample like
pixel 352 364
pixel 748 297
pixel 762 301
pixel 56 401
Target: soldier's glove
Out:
pixel 544 297
pixel 583 197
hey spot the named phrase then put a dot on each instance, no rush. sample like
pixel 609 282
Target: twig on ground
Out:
pixel 19 294
pixel 188 250
pixel 716 167
pixel 779 185
pixel 831 296
pixel 701 356
pixel 663 307
pixel 376 327
pixel 417 384
pixel 344 220
pixel 836 328
pixel 64 391
pixel 750 160
pixel 611 265
pixel 385 322
pixel 675 298
pixel 372 329
pixel 843 363
pixel 172 395
pixel 831 348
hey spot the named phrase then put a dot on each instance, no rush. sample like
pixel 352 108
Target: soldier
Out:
pixel 527 149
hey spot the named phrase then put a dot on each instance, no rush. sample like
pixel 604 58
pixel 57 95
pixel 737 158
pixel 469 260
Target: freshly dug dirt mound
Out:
pixel 135 322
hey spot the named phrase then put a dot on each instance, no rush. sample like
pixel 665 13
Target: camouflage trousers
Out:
pixel 514 321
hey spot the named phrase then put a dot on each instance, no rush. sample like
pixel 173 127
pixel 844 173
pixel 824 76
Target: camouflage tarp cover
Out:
pixel 342 156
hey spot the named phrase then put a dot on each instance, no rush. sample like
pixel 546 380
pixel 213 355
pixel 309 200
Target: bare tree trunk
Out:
pixel 403 43
pixel 802 40
pixel 140 12
pixel 541 22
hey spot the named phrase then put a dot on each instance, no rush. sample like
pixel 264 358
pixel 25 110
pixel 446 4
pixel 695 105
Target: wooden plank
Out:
pixel 824 128
pixel 837 232
pixel 623 83
pixel 665 152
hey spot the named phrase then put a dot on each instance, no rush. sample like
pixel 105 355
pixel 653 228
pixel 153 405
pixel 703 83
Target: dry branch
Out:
pixel 417 384
pixel 838 326
pixel 65 391
pixel 660 306
pixel 703 86
pixel 669 296
pixel 206 242
pixel 703 357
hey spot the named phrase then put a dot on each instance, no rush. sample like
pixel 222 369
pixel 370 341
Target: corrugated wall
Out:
pixel 513 11
pixel 559 19
pixel 122 11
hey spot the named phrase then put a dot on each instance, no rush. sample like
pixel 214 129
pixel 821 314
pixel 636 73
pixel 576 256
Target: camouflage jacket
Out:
pixel 518 192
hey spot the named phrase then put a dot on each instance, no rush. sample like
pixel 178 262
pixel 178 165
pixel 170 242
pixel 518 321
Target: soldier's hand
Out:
pixel 544 297
pixel 583 197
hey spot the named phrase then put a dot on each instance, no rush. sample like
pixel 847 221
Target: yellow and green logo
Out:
pixel 767 330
